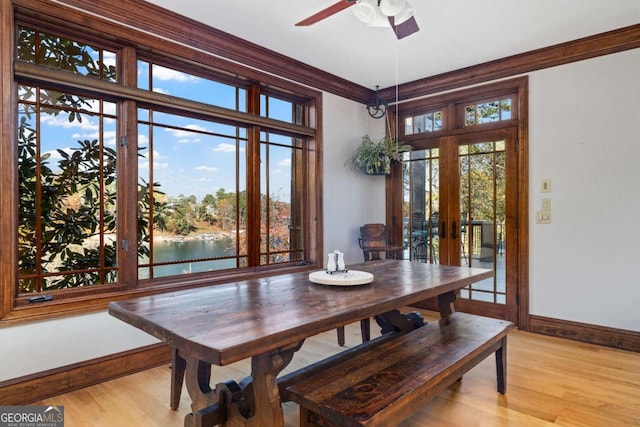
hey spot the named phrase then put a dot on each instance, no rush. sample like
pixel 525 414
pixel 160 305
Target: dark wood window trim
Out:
pixel 16 310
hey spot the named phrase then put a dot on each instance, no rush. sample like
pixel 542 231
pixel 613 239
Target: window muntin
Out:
pixel 487 112
pixel 423 123
pixel 67 190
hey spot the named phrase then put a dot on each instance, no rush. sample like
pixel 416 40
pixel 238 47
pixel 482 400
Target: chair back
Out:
pixel 373 236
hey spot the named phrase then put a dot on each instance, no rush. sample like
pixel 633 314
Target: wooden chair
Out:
pixel 374 238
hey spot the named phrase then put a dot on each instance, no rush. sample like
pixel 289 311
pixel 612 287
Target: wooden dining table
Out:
pixel 267 319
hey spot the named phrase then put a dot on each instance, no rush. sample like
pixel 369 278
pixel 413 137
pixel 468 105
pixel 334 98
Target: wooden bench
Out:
pixel 381 382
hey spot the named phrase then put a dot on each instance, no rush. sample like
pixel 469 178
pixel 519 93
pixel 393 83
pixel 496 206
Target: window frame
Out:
pixel 14 308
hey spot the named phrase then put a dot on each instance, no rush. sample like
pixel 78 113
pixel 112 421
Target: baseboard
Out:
pixel 592 334
pixel 42 385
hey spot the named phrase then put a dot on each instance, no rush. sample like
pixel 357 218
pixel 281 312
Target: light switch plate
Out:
pixel 545 186
pixel 546 204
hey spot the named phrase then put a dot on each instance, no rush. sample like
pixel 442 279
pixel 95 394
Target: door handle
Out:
pixel 454 231
pixel 443 230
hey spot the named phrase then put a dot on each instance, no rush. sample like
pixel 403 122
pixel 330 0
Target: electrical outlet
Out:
pixel 543 217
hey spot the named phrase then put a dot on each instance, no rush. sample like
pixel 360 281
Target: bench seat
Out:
pixel 382 382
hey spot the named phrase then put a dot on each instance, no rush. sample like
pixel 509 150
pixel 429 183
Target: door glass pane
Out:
pixel 482 216
pixel 421 201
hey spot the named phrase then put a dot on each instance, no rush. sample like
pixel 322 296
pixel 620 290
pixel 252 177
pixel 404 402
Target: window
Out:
pixel 281 207
pixel 192 216
pixel 61 53
pixel 281 224
pixel 487 112
pixel 210 179
pixel 429 122
pixel 67 190
pixel 429 118
pixel 66 171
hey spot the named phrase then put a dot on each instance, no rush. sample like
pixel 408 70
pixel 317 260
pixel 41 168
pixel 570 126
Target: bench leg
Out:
pixel 178 368
pixel 501 366
pixel 365 329
pixel 340 331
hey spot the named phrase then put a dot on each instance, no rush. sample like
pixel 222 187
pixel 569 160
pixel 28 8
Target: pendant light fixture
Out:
pixel 377 107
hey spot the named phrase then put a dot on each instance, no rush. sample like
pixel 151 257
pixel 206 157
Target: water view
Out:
pixel 185 253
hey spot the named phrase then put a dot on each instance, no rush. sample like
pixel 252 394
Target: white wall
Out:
pixel 584 136
pixel 39 346
pixel 350 198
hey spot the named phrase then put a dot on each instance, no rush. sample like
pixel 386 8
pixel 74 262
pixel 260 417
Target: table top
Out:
pixel 222 324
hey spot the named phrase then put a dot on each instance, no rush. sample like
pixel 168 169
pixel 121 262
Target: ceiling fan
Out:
pixel 375 13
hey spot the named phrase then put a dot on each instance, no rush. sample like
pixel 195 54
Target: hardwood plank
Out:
pixel 551 381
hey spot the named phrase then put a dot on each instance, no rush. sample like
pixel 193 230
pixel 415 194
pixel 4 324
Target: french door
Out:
pixel 460 208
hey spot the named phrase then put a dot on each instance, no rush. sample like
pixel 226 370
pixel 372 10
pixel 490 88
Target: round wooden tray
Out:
pixel 350 278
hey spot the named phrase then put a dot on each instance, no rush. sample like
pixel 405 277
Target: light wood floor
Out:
pixel 550 381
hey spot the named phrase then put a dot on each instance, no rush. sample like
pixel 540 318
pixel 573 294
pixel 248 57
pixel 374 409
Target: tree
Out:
pixel 182 218
pixel 208 209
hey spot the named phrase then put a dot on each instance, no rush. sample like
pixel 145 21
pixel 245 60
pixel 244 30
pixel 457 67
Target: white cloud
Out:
pixel 109 137
pixel 167 74
pixel 285 162
pixel 158 165
pixel 206 168
pixel 62 121
pixel 109 58
pixel 54 155
pixel 185 136
pixel 161 90
pixel 111 109
pixel 227 148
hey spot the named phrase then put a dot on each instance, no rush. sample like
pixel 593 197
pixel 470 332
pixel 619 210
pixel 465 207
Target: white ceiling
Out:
pixel 453 33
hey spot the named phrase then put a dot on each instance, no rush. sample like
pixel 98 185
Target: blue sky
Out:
pixel 197 159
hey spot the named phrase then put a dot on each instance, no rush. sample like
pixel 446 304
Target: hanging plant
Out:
pixel 375 157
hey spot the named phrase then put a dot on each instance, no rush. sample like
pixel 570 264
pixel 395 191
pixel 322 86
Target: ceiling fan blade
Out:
pixel 325 13
pixel 405 28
